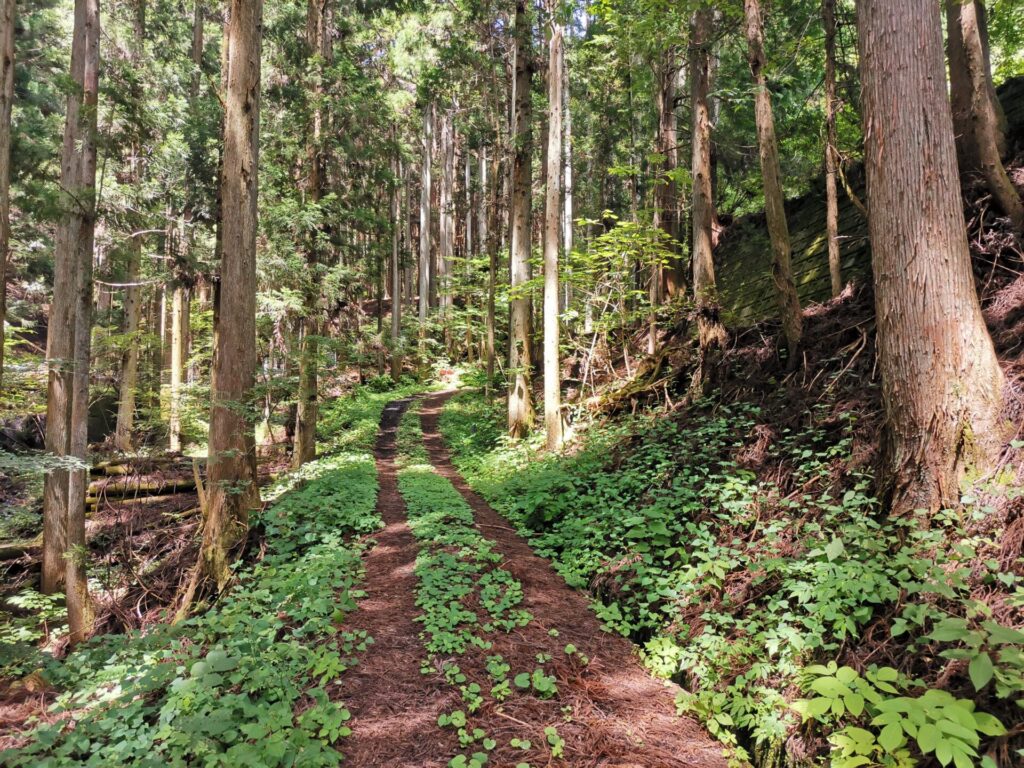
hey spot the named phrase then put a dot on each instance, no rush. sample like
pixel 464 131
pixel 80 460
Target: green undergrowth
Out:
pixel 767 582
pixel 465 596
pixel 249 680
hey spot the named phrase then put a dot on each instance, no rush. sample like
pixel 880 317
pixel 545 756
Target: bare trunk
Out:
pixel 424 286
pixel 319 52
pixel 774 200
pixel 7 18
pixel 446 218
pixel 396 275
pixel 941 381
pixel 179 354
pixel 130 358
pixel 552 237
pixel 64 546
pixel 492 258
pixel 520 396
pixel 668 278
pixel 978 115
pixel 231 464
pixel 711 333
pixel 835 269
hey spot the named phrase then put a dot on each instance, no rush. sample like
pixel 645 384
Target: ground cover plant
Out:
pixel 252 680
pixel 464 593
pixel 786 606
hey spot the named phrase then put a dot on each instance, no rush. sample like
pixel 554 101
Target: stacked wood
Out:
pixel 144 480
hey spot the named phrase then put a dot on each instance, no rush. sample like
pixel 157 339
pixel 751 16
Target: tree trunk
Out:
pixel 567 223
pixel 492 263
pixel 425 192
pixel 668 278
pixel 319 53
pixel 130 358
pixel 70 332
pixel 835 269
pixel 7 16
pixel 179 354
pixel 774 199
pixel 710 331
pixel 396 274
pixel 231 464
pixel 132 297
pixel 978 115
pixel 941 381
pixel 446 218
pixel 520 396
pixel 552 238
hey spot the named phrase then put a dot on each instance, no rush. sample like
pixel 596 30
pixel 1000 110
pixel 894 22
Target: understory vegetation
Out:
pixel 253 680
pixel 758 571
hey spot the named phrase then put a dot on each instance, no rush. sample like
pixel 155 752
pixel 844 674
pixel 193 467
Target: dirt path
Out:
pixel 609 711
pixel 619 715
pixel 394 707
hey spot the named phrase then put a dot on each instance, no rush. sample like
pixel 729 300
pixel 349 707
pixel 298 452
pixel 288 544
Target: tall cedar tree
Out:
pixel 941 382
pixel 710 331
pixel 771 175
pixel 70 330
pixel 231 464
pixel 7 16
pixel 835 269
pixel 552 237
pixel 520 397
pixel 318 48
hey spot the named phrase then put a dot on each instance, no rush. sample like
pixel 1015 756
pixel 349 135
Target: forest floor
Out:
pixel 560 686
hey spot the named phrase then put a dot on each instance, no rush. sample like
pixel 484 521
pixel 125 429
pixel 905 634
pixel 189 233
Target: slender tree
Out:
pixel 129 382
pixel 710 331
pixel 941 381
pixel 396 272
pixel 520 396
pixel 978 116
pixel 835 269
pixel 182 293
pixel 552 238
pixel 318 49
pixel 231 464
pixel 425 192
pixel 7 17
pixel 64 552
pixel 774 198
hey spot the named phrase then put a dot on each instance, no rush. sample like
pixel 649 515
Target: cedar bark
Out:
pixel 520 397
pixel 835 269
pixel 231 464
pixel 979 118
pixel 132 296
pixel 179 353
pixel 318 49
pixel 396 273
pixel 711 334
pixel 446 218
pixel 64 551
pixel 425 191
pixel 552 238
pixel 7 16
pixel 774 200
pixel 941 381
pixel 667 281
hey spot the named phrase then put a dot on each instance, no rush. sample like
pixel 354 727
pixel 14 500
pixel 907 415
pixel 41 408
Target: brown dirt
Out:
pixel 609 712
pixel 394 707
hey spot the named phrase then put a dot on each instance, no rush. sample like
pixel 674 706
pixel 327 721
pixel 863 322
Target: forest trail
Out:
pixel 607 710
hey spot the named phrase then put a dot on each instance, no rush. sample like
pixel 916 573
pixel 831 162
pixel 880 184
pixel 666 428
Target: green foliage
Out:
pixel 733 583
pixel 936 722
pixel 244 682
